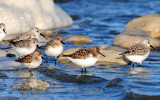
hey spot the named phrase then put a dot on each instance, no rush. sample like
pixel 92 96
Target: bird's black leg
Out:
pixel 81 70
pixel 19 56
pixel 85 69
pixel 55 60
pixel 133 65
pixel 140 65
pixel 30 71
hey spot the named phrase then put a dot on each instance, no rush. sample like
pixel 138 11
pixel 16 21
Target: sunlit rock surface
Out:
pixel 111 53
pixel 78 39
pixel 148 23
pixel 132 36
pixel 20 16
pixel 33 84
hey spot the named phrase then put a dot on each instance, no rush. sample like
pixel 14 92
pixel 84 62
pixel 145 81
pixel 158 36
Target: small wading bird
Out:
pixel 54 47
pixel 85 57
pixel 25 47
pixel 2 31
pixel 33 33
pixel 138 52
pixel 31 61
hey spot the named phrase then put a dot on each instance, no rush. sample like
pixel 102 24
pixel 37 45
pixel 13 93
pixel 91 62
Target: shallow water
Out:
pixel 99 20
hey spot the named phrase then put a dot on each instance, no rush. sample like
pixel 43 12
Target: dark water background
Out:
pixel 99 20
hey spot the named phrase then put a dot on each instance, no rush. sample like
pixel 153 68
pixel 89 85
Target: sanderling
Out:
pixel 85 57
pixel 25 47
pixel 32 60
pixel 33 33
pixel 54 47
pixel 138 52
pixel 2 31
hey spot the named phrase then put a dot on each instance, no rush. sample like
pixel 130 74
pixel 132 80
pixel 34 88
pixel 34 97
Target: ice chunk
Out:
pixel 20 16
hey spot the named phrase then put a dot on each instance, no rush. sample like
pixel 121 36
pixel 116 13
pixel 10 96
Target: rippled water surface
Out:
pixel 99 20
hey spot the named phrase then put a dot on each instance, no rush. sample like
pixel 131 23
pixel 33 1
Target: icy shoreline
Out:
pixel 20 16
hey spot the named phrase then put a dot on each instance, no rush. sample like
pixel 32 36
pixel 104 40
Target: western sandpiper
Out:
pixel 33 33
pixel 85 57
pixel 138 52
pixel 25 47
pixel 2 31
pixel 32 60
pixel 54 47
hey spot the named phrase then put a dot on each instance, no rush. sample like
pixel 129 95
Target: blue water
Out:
pixel 100 20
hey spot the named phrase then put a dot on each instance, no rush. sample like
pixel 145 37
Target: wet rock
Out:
pixel 78 39
pixel 10 55
pixel 81 79
pixel 132 36
pixel 62 1
pixel 111 53
pixel 135 96
pixel 23 87
pixel 148 23
pixel 114 83
pixel 74 17
pixel 24 92
pixel 33 84
pixel 84 22
pixel 1 88
pixel 9 98
pixel 2 75
pixel 33 93
pixel 38 85
pixel 113 32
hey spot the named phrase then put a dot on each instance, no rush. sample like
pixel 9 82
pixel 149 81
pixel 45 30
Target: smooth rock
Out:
pixel 2 75
pixel 78 39
pixel 135 96
pixel 38 85
pixel 24 92
pixel 132 36
pixel 148 23
pixel 10 55
pixel 114 83
pixel 62 76
pixel 33 84
pixel 111 53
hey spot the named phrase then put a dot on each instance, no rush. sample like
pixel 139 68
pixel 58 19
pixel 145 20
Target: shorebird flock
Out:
pixel 25 46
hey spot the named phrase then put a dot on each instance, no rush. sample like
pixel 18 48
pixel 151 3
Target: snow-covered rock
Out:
pixel 20 16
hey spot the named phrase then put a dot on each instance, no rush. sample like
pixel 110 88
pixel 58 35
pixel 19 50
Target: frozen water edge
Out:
pixel 20 16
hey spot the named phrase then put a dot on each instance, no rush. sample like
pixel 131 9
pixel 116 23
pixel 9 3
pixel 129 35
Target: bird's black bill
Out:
pixel 42 34
pixel 102 54
pixel 38 46
pixel 4 30
pixel 62 42
pixel 152 46
pixel 43 58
